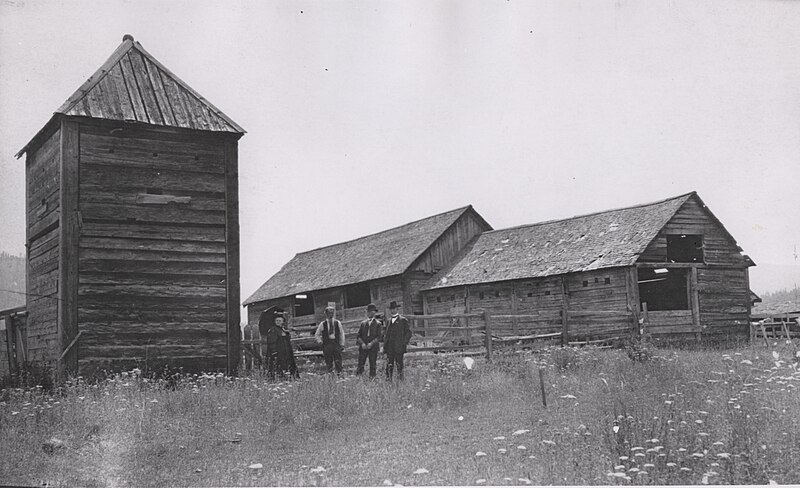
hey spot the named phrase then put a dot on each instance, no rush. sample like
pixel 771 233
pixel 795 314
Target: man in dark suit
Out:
pixel 369 333
pixel 395 341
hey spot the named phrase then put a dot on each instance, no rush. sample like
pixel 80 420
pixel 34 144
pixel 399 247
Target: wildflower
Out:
pixel 718 443
pixel 256 466
pixel 522 448
pixel 649 465
pixel 520 432
pixel 619 466
pixel 637 448
pixel 549 443
pixel 318 469
pixel 685 469
pixel 697 454
pixel 671 465
pixel 480 481
pixel 421 471
pixel 623 458
pixel 499 438
pixel 480 454
pixel 746 361
pixel 698 421
pixel 502 450
pixel 703 434
pixel 619 475
pixel 460 417
pixel 776 355
pixel 633 470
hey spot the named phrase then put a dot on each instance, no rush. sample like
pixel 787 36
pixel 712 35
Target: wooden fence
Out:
pixel 783 326
pixel 478 332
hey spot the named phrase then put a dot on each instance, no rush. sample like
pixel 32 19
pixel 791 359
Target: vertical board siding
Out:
pixel 724 295
pixel 692 218
pixel 43 197
pixel 155 279
pixel 449 244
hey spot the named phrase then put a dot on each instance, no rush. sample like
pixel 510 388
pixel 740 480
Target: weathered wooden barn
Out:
pixel 132 224
pixel 379 268
pixel 670 263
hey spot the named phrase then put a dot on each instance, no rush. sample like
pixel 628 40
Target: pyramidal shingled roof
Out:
pixel 380 255
pixel 595 241
pixel 133 86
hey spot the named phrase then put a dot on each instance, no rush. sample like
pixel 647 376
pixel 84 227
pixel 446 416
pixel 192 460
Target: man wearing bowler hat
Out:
pixel 369 332
pixel 395 341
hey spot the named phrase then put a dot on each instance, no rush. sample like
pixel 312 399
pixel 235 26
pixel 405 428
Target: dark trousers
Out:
pixel 372 354
pixel 393 359
pixel 333 356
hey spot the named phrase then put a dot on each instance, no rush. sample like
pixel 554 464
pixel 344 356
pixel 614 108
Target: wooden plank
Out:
pixel 166 233
pixel 68 244
pixel 232 247
pixel 99 178
pixel 182 116
pixel 132 87
pixel 694 300
pixel 146 90
pixel 564 310
pixel 154 267
pixel 154 75
pixel 117 84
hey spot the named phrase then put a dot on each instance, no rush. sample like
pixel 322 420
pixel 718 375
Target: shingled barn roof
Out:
pixel 133 86
pixel 587 242
pixel 380 255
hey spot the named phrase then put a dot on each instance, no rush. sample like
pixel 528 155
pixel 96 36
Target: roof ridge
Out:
pixel 551 221
pixel 101 72
pixel 461 209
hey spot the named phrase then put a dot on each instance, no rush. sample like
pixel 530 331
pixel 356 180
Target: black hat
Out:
pixel 393 304
pixel 372 307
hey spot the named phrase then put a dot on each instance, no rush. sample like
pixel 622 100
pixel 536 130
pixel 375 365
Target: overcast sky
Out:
pixel 362 116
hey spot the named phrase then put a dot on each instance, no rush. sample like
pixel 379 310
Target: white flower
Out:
pixel 480 454
pixel 460 417
pixel 776 355
pixel 256 466
pixel 421 471
pixel 746 361
pixel 501 450
pixel 520 432
pixel 522 448
pixel 572 397
pixel 469 362
pixel 318 469
pixel 499 438
pixel 480 481
pixel 615 428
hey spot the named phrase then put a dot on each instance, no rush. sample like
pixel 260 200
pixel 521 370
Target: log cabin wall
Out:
pixel 692 218
pixel 542 301
pixel 43 201
pixel 156 257
pixel 723 296
pixel 450 243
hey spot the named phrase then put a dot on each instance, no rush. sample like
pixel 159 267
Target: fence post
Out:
pixel 487 321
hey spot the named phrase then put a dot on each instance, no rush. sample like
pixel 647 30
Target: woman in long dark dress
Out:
pixel 278 353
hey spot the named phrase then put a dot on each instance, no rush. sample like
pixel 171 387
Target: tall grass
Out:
pixel 683 417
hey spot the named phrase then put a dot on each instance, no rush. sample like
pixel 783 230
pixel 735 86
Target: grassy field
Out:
pixel 683 417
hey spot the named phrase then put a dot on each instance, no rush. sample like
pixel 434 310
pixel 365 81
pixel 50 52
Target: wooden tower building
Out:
pixel 132 225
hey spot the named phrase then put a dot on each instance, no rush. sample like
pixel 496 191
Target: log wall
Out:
pixel 537 306
pixel 154 258
pixel 693 218
pixel 450 243
pixel 43 197
pixel 724 295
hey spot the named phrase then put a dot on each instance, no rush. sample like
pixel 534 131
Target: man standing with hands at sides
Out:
pixel 330 334
pixel 369 332
pixel 395 341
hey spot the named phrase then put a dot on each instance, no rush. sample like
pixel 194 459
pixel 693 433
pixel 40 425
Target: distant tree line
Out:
pixel 12 280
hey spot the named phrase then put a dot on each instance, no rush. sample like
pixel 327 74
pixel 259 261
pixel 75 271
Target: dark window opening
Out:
pixel 685 248
pixel 547 293
pixel 481 295
pixel 597 280
pixel 664 289
pixel 585 284
pixel 497 294
pixel 357 295
pixel 530 294
pixel 303 305
pixel 607 281
pixel 438 299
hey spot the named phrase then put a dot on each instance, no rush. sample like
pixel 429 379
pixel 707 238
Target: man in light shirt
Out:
pixel 330 334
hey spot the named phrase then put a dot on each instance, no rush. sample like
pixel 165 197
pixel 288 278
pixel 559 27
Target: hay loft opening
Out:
pixel 685 248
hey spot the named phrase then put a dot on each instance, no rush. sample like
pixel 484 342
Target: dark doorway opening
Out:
pixel 664 289
pixel 357 295
pixel 303 305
